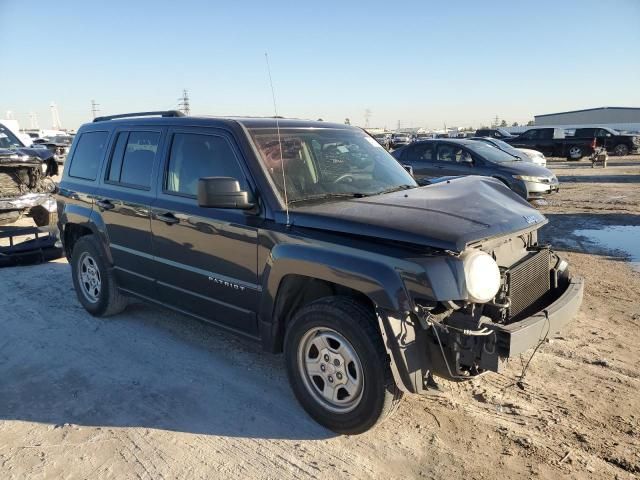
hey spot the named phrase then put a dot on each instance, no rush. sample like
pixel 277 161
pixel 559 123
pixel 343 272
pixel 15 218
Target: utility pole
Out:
pixel 496 122
pixel 367 116
pixel 94 109
pixel 184 103
pixel 55 117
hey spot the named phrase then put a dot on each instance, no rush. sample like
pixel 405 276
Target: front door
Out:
pixel 206 258
pixel 454 160
pixel 421 158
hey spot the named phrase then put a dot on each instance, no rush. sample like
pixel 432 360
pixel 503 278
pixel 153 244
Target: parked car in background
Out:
pixel 612 140
pixel 453 157
pixel 552 142
pixel 493 133
pixel 370 285
pixel 25 181
pixel 383 139
pixel 525 154
pixel 400 139
pixel 58 145
pixel 423 136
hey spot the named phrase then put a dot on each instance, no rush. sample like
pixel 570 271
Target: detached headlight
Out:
pixel 482 276
pixel 527 178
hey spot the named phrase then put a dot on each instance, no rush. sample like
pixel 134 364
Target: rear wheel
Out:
pixel 93 280
pixel 621 150
pixel 575 153
pixel 43 217
pixel 338 366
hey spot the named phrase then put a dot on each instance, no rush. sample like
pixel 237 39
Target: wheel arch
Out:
pixel 299 274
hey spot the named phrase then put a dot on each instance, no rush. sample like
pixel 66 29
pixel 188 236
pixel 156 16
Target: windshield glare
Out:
pixel 325 163
pixel 490 153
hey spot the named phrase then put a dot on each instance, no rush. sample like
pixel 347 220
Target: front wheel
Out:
pixel 621 150
pixel 338 367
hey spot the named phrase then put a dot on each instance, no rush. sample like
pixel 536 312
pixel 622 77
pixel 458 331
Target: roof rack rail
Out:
pixel 165 113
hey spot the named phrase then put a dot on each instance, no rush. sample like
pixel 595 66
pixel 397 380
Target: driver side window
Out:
pixel 194 156
pixel 450 153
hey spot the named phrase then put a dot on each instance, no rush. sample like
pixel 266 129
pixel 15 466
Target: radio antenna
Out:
pixel 275 109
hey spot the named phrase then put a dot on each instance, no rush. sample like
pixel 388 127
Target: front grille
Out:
pixel 528 282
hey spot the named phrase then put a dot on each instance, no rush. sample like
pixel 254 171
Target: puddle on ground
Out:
pixel 624 238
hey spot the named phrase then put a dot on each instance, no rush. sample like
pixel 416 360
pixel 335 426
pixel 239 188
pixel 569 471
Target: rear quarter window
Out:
pixel 88 155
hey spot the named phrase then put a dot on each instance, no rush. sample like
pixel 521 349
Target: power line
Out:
pixel 183 104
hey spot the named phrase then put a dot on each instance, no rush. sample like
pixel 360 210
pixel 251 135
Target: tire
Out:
pixel 43 217
pixel 97 291
pixel 8 217
pixel 621 150
pixel 345 332
pixel 575 153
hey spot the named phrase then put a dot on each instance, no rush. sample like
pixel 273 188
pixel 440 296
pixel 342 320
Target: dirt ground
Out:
pixel 152 394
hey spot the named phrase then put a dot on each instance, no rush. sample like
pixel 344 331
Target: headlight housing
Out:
pixel 528 178
pixel 482 276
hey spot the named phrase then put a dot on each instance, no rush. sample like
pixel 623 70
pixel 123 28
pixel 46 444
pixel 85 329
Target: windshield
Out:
pixel 8 139
pixel 490 153
pixel 327 163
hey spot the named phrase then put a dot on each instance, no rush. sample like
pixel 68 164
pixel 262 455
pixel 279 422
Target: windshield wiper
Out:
pixel 393 189
pixel 324 196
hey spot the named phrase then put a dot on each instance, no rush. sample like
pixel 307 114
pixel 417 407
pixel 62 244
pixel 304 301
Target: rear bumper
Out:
pixel 518 337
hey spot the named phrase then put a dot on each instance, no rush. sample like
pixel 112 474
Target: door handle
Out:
pixel 168 218
pixel 105 204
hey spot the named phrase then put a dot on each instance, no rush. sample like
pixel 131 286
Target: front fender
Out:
pixel 370 274
pixel 382 279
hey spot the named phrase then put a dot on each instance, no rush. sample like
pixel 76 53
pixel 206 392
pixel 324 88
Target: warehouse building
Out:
pixel 621 118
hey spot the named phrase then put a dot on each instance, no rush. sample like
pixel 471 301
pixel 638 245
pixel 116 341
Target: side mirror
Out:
pixel 409 169
pixel 223 192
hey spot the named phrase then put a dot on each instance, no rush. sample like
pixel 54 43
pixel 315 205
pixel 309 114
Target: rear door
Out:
pixel 123 200
pixel 421 158
pixel 206 258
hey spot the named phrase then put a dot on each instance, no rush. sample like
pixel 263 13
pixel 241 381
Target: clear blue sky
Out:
pixel 420 62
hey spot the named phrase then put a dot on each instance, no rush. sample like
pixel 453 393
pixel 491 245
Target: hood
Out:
pixel 448 215
pixel 523 168
pixel 39 154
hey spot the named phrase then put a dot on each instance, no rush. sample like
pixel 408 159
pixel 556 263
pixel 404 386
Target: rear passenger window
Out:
pixel 133 157
pixel 88 154
pixel 422 153
pixel 194 156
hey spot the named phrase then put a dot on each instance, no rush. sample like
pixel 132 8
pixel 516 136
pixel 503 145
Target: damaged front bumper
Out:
pixel 421 346
pixel 29 200
pixel 518 337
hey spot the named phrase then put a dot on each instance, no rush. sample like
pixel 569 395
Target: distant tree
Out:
pixel 320 120
pixel 503 123
pixel 347 121
pixel 530 123
pixel 515 124
pixel 483 127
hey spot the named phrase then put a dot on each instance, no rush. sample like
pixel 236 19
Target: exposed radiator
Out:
pixel 528 282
